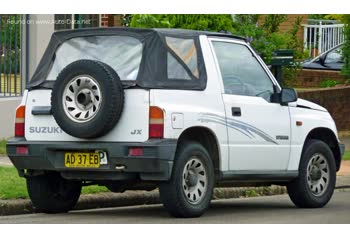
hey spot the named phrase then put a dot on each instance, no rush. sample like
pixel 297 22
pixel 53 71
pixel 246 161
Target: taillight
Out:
pixel 156 122
pixel 19 121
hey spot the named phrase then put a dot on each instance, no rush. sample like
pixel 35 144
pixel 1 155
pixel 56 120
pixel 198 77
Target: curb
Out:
pixel 132 198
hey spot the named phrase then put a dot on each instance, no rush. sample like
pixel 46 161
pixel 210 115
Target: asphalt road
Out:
pixel 274 209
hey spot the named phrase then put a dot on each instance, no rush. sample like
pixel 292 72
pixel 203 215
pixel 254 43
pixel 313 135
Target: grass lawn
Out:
pixel 14 187
pixel 2 146
pixel 346 155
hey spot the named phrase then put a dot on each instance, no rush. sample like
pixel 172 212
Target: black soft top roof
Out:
pixel 153 71
pixel 142 31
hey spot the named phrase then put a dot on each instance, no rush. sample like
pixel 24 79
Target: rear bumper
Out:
pixel 155 164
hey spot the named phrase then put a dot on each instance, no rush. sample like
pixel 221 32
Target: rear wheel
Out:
pixel 190 189
pixel 315 184
pixel 50 193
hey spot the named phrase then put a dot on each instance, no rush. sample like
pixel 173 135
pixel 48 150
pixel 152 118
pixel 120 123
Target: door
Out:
pixel 258 126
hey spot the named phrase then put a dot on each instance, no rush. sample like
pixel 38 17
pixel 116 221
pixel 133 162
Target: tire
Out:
pixel 50 193
pixel 87 99
pixel 173 194
pixel 314 186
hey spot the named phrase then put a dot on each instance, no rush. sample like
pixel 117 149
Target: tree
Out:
pixel 207 22
pixel 272 22
pixel 8 31
pixel 263 32
pixel 10 43
pixel 337 17
pixel 150 21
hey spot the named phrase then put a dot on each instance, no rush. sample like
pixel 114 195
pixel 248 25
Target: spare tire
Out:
pixel 87 99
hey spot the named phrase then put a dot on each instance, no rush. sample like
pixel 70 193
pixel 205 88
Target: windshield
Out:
pixel 334 56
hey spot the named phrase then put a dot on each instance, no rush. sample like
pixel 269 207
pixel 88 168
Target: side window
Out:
pixel 186 52
pixel 176 70
pixel 241 72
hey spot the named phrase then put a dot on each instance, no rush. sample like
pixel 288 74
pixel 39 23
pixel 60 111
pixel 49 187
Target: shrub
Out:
pixel 346 48
pixel 328 83
pixel 9 28
pixel 208 22
pixel 265 36
pixel 149 21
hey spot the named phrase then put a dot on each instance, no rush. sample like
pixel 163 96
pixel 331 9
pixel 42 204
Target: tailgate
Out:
pixel 135 117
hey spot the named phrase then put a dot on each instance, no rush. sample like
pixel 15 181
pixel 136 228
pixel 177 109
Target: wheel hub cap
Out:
pixel 315 173
pixel 195 180
pixel 191 180
pixel 82 98
pixel 318 175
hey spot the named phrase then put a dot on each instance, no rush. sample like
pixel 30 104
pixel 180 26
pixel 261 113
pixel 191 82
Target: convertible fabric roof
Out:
pixel 153 71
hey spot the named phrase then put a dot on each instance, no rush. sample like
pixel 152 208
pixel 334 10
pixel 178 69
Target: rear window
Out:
pixel 122 53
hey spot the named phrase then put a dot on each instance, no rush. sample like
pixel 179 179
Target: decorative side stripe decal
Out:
pixel 242 127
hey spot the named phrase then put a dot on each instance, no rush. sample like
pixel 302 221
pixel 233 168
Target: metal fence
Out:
pixel 320 36
pixel 10 56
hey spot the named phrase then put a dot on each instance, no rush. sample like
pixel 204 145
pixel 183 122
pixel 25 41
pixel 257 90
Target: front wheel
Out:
pixel 315 184
pixel 190 189
pixel 50 193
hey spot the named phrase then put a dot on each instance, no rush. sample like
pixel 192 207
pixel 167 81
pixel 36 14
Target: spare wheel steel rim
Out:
pixel 82 98
pixel 318 174
pixel 194 180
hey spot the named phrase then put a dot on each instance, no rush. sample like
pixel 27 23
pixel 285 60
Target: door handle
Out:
pixel 236 111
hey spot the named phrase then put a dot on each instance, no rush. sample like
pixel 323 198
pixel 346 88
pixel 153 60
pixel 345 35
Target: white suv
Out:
pixel 184 111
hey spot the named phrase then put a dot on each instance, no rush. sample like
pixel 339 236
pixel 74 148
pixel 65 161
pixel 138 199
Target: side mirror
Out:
pixel 288 95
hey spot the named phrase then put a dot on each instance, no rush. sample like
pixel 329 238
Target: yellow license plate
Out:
pixel 82 160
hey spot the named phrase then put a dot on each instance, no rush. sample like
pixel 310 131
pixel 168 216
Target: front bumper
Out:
pixel 341 152
pixel 342 149
pixel 155 164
